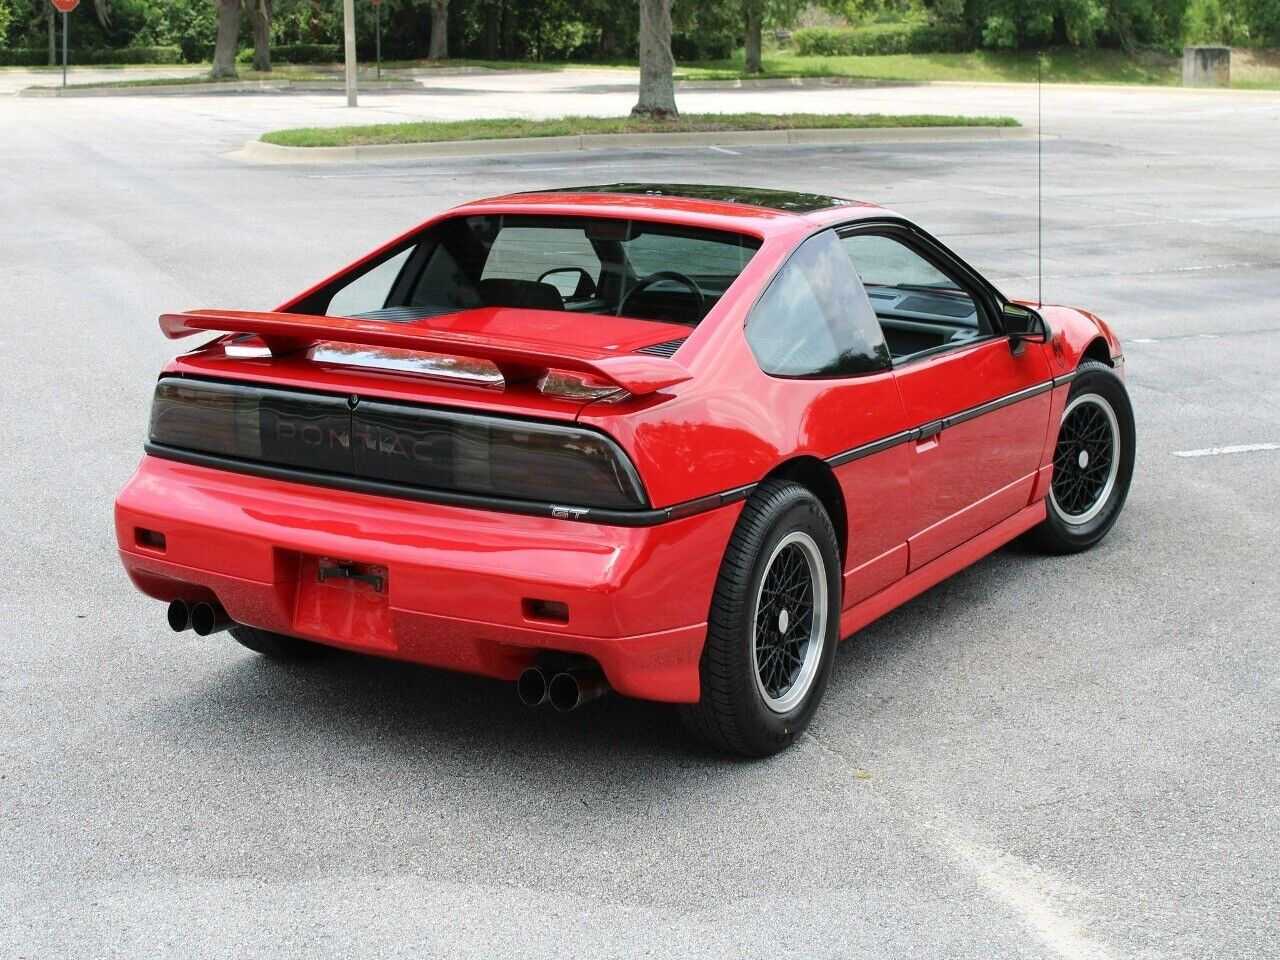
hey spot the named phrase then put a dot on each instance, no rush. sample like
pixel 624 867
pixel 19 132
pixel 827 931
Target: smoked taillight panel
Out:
pixel 426 447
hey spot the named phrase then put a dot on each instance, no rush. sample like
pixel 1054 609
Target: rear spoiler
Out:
pixel 517 359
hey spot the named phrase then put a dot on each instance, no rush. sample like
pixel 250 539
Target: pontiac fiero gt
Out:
pixel 672 441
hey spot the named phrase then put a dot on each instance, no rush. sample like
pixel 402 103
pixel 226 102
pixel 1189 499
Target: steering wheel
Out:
pixel 647 282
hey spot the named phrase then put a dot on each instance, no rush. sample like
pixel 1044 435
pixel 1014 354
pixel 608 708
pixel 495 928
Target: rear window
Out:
pixel 633 268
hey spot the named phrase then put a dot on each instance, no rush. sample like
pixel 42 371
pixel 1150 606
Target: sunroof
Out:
pixel 786 200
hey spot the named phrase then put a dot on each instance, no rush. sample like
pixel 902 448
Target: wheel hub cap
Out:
pixel 1087 460
pixel 790 622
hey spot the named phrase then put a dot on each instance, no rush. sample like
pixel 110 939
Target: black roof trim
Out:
pixel 787 201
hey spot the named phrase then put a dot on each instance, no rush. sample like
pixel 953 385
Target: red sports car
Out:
pixel 673 441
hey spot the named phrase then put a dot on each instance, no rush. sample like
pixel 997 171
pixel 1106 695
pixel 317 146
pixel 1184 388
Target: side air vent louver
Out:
pixel 666 349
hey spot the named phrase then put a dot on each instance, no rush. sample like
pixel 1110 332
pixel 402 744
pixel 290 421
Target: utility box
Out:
pixel 1206 66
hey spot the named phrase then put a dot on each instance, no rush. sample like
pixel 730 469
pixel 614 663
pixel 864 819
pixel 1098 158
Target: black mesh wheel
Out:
pixel 772 630
pixel 1092 463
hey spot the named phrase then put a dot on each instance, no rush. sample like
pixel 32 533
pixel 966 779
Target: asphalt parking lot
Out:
pixel 1042 758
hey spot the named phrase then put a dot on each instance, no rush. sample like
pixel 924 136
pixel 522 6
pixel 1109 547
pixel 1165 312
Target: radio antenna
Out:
pixel 1040 179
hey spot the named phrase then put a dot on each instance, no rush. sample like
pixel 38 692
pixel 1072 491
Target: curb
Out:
pixel 238 86
pixel 256 151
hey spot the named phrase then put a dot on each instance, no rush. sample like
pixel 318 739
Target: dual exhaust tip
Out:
pixel 566 690
pixel 204 618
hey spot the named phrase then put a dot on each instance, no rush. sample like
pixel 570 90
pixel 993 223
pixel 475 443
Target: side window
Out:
pixel 920 307
pixel 368 292
pixel 814 319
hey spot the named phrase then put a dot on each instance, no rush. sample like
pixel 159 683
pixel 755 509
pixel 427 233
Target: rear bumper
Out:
pixel 458 581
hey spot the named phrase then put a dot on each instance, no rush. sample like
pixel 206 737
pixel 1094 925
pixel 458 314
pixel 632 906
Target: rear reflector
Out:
pixel 424 447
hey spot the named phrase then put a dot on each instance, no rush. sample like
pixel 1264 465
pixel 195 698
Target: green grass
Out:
pixel 1061 66
pixel 428 132
pixel 1250 69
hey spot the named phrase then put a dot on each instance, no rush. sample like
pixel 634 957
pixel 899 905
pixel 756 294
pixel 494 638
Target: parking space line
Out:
pixel 1218 451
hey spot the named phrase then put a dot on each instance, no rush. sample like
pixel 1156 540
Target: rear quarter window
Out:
pixel 814 319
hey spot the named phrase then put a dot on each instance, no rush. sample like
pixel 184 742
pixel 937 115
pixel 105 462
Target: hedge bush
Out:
pixel 130 55
pixel 883 38
pixel 39 56
pixel 20 57
pixel 299 53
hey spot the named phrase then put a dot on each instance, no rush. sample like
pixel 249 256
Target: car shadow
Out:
pixel 410 714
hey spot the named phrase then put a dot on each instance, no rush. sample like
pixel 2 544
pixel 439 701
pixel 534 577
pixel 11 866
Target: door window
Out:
pixel 921 306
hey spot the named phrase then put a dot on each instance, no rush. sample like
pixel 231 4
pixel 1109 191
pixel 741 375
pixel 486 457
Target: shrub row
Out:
pixel 298 53
pixel 39 56
pixel 883 38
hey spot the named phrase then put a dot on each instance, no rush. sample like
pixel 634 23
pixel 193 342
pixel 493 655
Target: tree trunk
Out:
pixel 50 20
pixel 753 20
pixel 259 13
pixel 491 28
pixel 224 49
pixel 439 49
pixel 657 66
pixel 607 45
pixel 508 32
pixel 1060 37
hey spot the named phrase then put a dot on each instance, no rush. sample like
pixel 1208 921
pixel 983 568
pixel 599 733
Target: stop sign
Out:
pixel 66 6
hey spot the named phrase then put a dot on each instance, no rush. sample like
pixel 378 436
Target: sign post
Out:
pixel 66 6
pixel 377 20
pixel 349 48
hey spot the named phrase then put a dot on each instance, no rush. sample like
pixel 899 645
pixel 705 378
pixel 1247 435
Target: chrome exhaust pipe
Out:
pixel 208 618
pixel 179 616
pixel 532 687
pixel 573 688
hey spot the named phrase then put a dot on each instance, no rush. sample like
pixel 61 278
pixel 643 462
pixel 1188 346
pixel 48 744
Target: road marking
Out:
pixel 1141 273
pixel 1039 901
pixel 1175 337
pixel 732 153
pixel 1036 897
pixel 1218 451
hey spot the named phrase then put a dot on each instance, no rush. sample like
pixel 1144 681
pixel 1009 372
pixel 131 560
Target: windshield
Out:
pixel 632 268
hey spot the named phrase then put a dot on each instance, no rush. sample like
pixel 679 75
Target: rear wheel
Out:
pixel 772 631
pixel 1092 463
pixel 277 646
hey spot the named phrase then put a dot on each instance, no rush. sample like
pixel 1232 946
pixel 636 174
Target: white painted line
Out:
pixel 1218 451
pixel 732 153
pixel 1040 901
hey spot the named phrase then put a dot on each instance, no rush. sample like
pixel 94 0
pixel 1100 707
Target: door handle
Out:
pixel 929 430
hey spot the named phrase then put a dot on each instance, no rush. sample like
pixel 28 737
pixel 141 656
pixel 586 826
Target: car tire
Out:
pixel 1092 463
pixel 277 646
pixel 776 597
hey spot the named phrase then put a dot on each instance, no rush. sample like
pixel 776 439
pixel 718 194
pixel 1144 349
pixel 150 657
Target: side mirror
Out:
pixel 1024 325
pixel 572 283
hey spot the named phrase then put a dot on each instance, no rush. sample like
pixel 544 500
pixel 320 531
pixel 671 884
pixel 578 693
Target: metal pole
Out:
pixel 377 19
pixel 349 38
pixel 64 48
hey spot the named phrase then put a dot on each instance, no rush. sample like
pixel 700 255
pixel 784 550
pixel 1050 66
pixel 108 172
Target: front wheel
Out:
pixel 773 626
pixel 1092 463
